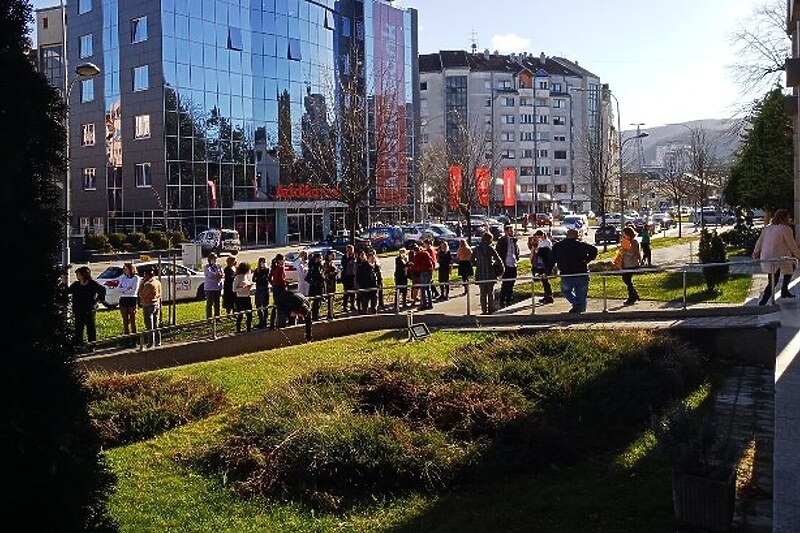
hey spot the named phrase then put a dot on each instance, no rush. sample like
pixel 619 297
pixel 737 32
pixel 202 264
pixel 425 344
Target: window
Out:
pixel 559 121
pixel 561 138
pixel 142 175
pixel 44 23
pixel 84 6
pixel 558 104
pixel 560 188
pixel 141 126
pixel 506 84
pixel 85 46
pixel 487 102
pixel 508 154
pixel 541 188
pixel 507 119
pixel 329 21
pixel 87 138
pixel 544 119
pixel 141 78
pixel 527 153
pixel 294 50
pixel 560 154
pixel 544 153
pixel 234 38
pixel 543 136
pixel 526 171
pixel 507 136
pixel 526 118
pixel 525 102
pixel 560 171
pixel 87 90
pixel 543 171
pixel 526 136
pixel 557 88
pixel 345 27
pixel 423 86
pixel 487 85
pixel 508 101
pixel 89 179
pixel 543 84
pixel 138 29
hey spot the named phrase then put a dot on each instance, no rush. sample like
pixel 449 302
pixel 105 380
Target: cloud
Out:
pixel 510 42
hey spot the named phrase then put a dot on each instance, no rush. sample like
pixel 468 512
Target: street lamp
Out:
pixel 640 135
pixel 84 71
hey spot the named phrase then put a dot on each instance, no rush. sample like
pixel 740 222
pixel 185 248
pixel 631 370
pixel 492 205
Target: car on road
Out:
pixel 663 221
pixel 544 219
pixel 209 241
pixel 291 257
pixel 610 218
pixel 340 242
pixel 384 238
pixel 577 222
pixel 558 233
pixel 714 216
pixel 608 233
pixel 641 222
pixel 188 283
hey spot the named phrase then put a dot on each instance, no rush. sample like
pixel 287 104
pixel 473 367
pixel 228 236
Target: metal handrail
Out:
pixel 213 330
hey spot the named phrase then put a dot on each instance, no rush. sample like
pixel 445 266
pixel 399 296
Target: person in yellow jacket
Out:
pixel 631 258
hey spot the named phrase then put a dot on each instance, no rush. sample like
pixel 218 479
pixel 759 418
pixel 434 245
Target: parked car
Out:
pixel 663 221
pixel 291 257
pixel 714 216
pixel 384 238
pixel 608 233
pixel 611 218
pixel 210 241
pixel 544 219
pixel 557 233
pixel 188 283
pixel 340 242
pixel 577 222
pixel 640 222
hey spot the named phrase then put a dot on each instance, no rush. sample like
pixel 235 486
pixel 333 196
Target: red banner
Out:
pixel 391 172
pixel 482 185
pixel 509 187
pixel 454 186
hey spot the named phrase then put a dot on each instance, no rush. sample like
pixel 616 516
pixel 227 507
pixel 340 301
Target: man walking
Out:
pixel 212 285
pixel 508 250
pixel 150 298
pixel 572 257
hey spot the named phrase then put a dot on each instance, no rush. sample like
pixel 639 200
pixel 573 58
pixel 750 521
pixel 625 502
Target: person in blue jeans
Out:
pixel 573 257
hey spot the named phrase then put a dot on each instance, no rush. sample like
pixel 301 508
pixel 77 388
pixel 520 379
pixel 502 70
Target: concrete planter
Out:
pixel 704 502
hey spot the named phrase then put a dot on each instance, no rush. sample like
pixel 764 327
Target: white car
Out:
pixel 611 218
pixel 291 257
pixel 188 284
pixel 576 222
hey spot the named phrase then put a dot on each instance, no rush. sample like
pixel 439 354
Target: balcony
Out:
pixel 792 72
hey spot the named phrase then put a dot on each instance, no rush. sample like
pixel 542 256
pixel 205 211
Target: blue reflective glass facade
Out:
pixel 235 90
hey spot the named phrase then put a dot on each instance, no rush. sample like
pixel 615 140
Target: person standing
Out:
pixel 330 273
pixel 445 261
pixel 573 257
pixel 647 253
pixel 316 283
pixel 631 258
pixel 776 241
pixel 228 294
pixel 413 275
pixel 372 257
pixel 261 279
pixel 541 249
pixel 508 249
pixel 150 298
pixel 349 278
pixel 430 249
pixel 301 267
pixel 488 267
pixel 128 300
pixel 401 276
pixel 212 285
pixel 464 258
pixel 86 295
pixel 424 267
pixel 367 284
pixel 242 284
pixel 277 275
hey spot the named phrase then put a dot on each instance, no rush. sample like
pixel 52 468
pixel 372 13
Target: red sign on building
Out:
pixel 482 185
pixel 509 187
pixel 306 192
pixel 454 186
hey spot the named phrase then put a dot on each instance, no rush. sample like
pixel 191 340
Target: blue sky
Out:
pixel 666 61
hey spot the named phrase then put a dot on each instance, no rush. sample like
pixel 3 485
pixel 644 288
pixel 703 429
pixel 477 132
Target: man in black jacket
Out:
pixel 86 294
pixel 508 250
pixel 288 306
pixel 572 257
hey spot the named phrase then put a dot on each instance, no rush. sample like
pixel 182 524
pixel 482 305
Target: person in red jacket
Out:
pixel 277 275
pixel 424 265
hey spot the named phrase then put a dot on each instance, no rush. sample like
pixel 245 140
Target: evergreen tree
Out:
pixel 762 176
pixel 712 250
pixel 54 478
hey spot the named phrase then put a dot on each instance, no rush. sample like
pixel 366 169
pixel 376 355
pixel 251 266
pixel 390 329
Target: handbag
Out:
pixel 618 260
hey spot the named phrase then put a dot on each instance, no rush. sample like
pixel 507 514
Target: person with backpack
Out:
pixel 288 307
pixel 631 258
pixel 488 267
pixel 464 257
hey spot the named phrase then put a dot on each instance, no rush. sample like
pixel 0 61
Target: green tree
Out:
pixel 762 176
pixel 54 477
pixel 712 250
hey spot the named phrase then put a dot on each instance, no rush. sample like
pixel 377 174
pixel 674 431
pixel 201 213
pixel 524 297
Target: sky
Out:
pixel 666 61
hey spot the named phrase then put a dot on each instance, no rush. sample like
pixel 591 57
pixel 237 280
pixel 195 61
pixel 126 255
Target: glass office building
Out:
pixel 205 111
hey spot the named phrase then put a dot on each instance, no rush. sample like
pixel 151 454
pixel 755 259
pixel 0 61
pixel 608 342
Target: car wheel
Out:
pixel 201 293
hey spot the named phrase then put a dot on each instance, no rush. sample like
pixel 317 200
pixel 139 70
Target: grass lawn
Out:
pixel 655 244
pixel 626 489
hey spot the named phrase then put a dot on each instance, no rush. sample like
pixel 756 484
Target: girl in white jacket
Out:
pixel 128 301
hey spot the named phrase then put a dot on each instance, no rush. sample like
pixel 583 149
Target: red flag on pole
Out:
pixel 454 186
pixel 509 187
pixel 482 185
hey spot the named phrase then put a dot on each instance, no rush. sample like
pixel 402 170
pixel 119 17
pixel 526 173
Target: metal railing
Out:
pixel 387 299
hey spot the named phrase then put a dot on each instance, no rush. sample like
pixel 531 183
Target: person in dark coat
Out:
pixel 367 282
pixel 330 273
pixel 261 279
pixel 445 262
pixel 508 250
pixel 316 284
pixel 349 278
pixel 573 257
pixel 401 275
pixel 228 294
pixel 288 307
pixel 86 295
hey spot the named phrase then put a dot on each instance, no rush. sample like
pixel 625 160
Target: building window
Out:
pixel 525 102
pixel 234 38
pixel 544 153
pixel 560 154
pixel 561 138
pixel 507 136
pixel 139 29
pixel 526 171
pixel 560 188
pixel 487 85
pixel 556 88
pixel 559 121
pixel 506 84
pixel 508 101
pixel 543 171
pixel 508 154
pixel 526 136
pixel 87 90
pixel 87 137
pixel 541 188
pixel 85 46
pixel 345 26
pixel 487 102
pixel 141 78
pixel 423 86
pixel 544 119
pixel 294 50
pixel 559 171
pixel 527 153
pixel 543 84
pixel 84 6
pixel 44 23
pixel 526 118
pixel 89 179
pixel 141 127
pixel 142 175
pixel 507 119
pixel 543 136
pixel 558 104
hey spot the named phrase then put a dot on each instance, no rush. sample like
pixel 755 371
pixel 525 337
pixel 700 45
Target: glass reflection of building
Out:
pixel 208 106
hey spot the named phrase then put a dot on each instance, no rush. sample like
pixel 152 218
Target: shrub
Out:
pixel 139 242
pixel 96 241
pixel 176 236
pixel 127 409
pixel 712 250
pixel 117 240
pixel 741 236
pixel 159 239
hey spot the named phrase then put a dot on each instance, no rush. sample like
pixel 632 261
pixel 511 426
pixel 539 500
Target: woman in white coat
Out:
pixel 301 266
pixel 776 241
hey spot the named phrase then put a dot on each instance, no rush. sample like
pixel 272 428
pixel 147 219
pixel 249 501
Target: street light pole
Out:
pixel 639 158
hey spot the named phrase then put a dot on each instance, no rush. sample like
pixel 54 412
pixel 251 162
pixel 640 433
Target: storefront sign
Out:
pixel 306 192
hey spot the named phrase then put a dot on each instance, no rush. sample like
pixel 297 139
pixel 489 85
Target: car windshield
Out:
pixel 230 235
pixel 111 273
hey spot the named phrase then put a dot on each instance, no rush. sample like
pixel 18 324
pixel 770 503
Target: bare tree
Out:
pixel 761 46
pixel 674 182
pixel 433 175
pixel 597 168
pixel 703 163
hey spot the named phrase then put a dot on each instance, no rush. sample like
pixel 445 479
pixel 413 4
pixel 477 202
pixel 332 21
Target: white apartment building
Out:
pixel 535 114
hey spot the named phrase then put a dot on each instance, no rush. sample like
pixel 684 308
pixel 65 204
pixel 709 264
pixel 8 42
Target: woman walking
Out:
pixel 776 241
pixel 330 273
pixel 228 294
pixel 631 258
pixel 128 299
pixel 445 261
pixel 401 276
pixel 540 260
pixel 464 258
pixel 242 283
pixel 261 279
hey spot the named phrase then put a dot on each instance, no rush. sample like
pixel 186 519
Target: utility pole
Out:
pixel 639 156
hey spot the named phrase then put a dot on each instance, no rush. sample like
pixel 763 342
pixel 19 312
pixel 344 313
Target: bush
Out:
pixel 117 240
pixel 176 236
pixel 741 236
pixel 159 239
pixel 97 241
pixel 139 242
pixel 712 250
pixel 127 409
